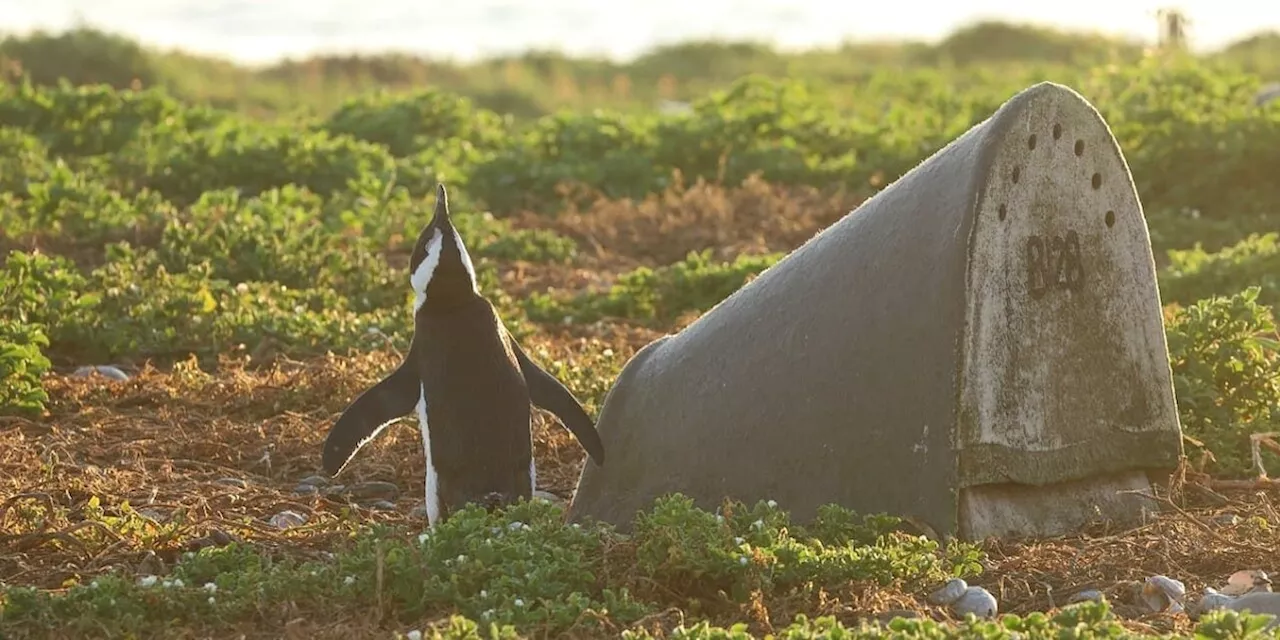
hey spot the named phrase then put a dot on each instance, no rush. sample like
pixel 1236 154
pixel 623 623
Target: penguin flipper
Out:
pixel 548 393
pixel 392 398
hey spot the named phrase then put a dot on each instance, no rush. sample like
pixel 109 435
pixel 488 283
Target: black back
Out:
pixel 478 409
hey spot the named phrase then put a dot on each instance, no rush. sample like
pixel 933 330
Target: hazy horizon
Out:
pixel 262 32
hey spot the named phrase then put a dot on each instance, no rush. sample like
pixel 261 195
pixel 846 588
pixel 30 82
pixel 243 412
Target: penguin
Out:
pixel 470 384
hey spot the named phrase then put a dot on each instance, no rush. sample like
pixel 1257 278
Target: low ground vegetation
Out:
pixel 247 277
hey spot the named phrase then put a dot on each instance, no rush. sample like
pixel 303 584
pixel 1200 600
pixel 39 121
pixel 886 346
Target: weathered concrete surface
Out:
pixel 979 347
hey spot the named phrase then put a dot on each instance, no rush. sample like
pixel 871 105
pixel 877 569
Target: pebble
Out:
pixel 383 505
pixel 1226 519
pixel 216 538
pixel 539 494
pixel 151 514
pixel 232 482
pixel 314 481
pixel 288 519
pixel 305 490
pixel 107 371
pixel 1086 596
pixel 151 564
pixel 374 489
pixel 337 489
pixel 419 511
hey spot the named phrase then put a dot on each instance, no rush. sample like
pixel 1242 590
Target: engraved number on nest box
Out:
pixel 1053 262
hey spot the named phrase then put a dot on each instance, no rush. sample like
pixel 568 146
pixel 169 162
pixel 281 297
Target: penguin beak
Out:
pixel 441 216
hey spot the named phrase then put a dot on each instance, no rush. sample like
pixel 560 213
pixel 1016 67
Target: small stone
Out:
pixel 419 511
pixel 1086 596
pixel 232 482
pixel 383 505
pixel 222 538
pixel 373 490
pixel 337 489
pixel 305 490
pixel 151 514
pixel 539 494
pixel 216 538
pixel 288 520
pixel 1226 519
pixel 151 564
pixel 106 371
pixel 112 372
pixel 314 481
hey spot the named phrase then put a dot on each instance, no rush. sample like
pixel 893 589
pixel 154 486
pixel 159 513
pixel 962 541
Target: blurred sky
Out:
pixel 265 30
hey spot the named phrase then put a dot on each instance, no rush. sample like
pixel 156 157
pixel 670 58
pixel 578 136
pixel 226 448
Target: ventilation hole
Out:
pixel 1097 180
pixel 1111 218
pixel 1016 174
pixel 1079 147
pixel 1002 210
pixel 1057 131
pixel 1031 142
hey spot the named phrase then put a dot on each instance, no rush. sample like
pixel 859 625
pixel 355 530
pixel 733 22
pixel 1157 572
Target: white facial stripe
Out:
pixel 466 259
pixel 432 488
pixel 421 276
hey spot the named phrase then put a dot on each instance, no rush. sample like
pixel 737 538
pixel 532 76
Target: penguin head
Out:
pixel 440 269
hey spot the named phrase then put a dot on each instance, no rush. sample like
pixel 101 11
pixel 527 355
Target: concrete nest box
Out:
pixel 978 347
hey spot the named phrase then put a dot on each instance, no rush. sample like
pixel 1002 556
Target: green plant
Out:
pixel 1194 274
pixel 1225 355
pixel 21 365
pixel 521 568
pixel 696 283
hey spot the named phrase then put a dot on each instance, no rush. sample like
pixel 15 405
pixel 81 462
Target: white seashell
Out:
pixel 287 519
pixel 950 592
pixel 1162 593
pixel 977 601
pixel 1246 581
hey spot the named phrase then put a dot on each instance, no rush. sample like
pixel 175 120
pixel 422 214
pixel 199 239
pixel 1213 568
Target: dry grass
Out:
pixel 754 217
pixel 226 449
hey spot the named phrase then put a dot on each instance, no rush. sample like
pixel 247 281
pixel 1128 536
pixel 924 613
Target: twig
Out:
pixel 33 540
pixel 1256 442
pixel 1196 521
pixel 1256 483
